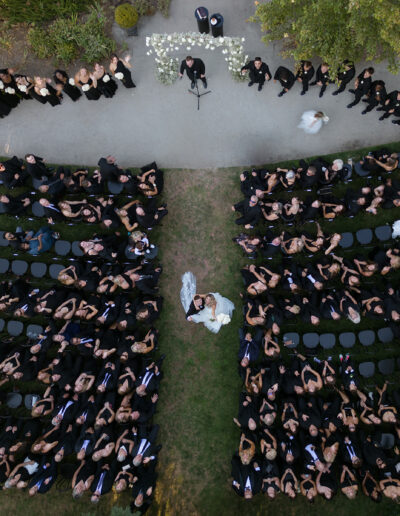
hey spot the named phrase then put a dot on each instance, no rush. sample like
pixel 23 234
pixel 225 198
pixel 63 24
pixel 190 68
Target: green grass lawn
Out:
pixel 200 390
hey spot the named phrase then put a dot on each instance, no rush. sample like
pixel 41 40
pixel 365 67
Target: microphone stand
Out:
pixel 197 93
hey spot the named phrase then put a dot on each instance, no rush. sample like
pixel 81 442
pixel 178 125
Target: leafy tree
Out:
pixel 334 30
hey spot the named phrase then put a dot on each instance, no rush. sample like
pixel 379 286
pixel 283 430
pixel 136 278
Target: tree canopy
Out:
pixel 334 30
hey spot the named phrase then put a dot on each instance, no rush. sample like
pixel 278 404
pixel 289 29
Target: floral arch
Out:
pixel 167 66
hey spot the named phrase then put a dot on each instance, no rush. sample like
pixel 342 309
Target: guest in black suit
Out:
pixel 251 212
pixel 35 167
pixel 145 449
pixel 345 76
pixel 305 74
pixel 362 86
pixel 143 488
pixel 258 72
pixel 246 478
pixel 249 347
pixel 195 69
pixel 109 171
pixel 44 478
pixel 12 173
pixel 103 479
pixel 286 78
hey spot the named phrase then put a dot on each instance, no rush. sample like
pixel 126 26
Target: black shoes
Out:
pixel 205 83
pixel 396 122
pixel 350 106
pixel 303 93
pixel 281 93
pixel 382 118
pixel 335 93
pixel 364 112
pixel 250 83
pixel 260 87
pixel 321 94
pixel 192 85
pixel 352 91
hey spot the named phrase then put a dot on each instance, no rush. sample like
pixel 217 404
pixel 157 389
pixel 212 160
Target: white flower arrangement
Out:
pixel 22 88
pixel 72 82
pixel 44 92
pixel 119 75
pixel 86 87
pixel 106 77
pixel 1 85
pixel 10 90
pixel 167 66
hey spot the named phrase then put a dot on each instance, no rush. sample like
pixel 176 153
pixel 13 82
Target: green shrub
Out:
pixel 91 38
pixel 40 42
pixel 126 16
pixel 38 11
pixel 163 7
pixel 66 38
pixel 145 7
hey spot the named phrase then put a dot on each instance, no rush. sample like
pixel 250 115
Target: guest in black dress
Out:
pixel 9 88
pixel 105 84
pixel 88 84
pixel 67 85
pixel 44 92
pixel 120 69
pixel 5 108
pixel 24 85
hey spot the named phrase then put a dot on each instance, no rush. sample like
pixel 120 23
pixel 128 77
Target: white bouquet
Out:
pixel 223 319
pixel 119 75
pixel 86 87
pixel 44 92
pixel 106 78
pixel 72 82
pixel 22 88
pixel 9 90
pixel 1 85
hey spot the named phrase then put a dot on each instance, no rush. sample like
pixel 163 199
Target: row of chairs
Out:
pixel 366 236
pixel 37 269
pixel 15 328
pixel 385 367
pixel 61 247
pixel 346 339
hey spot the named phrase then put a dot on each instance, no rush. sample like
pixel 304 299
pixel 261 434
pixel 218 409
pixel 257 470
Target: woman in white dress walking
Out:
pixel 311 121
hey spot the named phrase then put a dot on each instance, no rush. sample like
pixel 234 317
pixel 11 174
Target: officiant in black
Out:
pixel 195 69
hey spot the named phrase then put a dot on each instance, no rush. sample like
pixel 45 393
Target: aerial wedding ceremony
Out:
pixel 199 257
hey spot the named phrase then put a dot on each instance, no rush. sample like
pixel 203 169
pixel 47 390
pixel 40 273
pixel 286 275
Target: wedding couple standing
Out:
pixel 211 309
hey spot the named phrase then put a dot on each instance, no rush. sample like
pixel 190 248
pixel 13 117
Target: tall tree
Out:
pixel 334 30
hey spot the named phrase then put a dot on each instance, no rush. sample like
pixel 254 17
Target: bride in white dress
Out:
pixel 312 121
pixel 217 310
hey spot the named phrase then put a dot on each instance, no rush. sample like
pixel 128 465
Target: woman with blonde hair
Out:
pixel 88 84
pixel 312 121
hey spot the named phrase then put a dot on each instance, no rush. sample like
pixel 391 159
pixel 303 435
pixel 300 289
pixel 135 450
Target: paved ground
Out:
pixel 235 126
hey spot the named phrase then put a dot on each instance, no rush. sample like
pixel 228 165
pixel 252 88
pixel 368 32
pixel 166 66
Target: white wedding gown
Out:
pixel 307 119
pixel 223 310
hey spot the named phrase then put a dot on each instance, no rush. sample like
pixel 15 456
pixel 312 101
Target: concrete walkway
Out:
pixel 236 125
